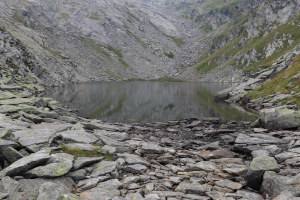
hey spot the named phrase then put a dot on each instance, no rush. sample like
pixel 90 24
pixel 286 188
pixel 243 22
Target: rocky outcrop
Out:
pixel 280 118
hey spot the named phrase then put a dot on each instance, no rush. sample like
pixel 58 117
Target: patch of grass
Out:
pixel 169 55
pixel 81 153
pixel 134 17
pixel 178 41
pixel 124 64
pixel 99 49
pixel 97 152
pixel 287 82
pixel 115 51
pixel 207 27
pixel 94 16
pixel 136 39
pixel 16 16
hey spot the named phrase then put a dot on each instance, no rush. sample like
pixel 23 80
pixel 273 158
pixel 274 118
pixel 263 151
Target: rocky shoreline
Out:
pixel 48 152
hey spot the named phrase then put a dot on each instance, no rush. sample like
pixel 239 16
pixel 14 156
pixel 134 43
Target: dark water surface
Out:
pixel 147 101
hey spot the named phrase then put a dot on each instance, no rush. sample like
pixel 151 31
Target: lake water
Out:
pixel 140 101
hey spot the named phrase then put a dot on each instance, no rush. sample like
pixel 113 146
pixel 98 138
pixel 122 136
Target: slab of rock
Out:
pixel 11 154
pixel 191 188
pixel 82 162
pixel 273 184
pixel 6 143
pixel 58 165
pixel 50 191
pixel 254 139
pixel 17 101
pixel 257 169
pixel 78 175
pixel 31 138
pixel 135 196
pixel 286 155
pixel 119 136
pixel 133 159
pixel 99 193
pixel 235 169
pixel 280 118
pixel 150 148
pixel 136 168
pixel 91 182
pixel 229 184
pixel 80 136
pixel 202 166
pixel 103 168
pixel 248 195
pixel 24 164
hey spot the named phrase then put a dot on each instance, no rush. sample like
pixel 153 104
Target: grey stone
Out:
pixel 136 169
pixel 50 191
pixel 191 188
pixel 254 139
pixel 112 184
pixel 202 166
pixel 78 175
pixel 135 196
pixel 69 197
pixel 119 136
pixel 273 184
pixel 132 159
pixel 103 168
pixel 11 154
pixel 81 162
pixel 229 184
pixel 257 168
pixel 58 165
pixel 150 148
pixel 80 136
pixel 24 164
pixel 91 182
pixel 280 118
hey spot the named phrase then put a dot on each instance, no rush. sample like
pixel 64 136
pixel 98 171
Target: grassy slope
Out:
pixel 259 44
pixel 287 82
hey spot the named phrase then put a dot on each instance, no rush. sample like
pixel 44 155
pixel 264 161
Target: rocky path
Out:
pixel 50 154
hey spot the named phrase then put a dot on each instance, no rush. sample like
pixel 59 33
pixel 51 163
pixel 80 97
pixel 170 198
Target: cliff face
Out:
pixel 73 40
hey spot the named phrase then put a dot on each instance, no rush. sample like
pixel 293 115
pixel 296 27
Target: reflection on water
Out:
pixel 146 101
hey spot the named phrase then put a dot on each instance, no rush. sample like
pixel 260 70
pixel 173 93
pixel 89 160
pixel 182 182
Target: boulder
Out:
pixel 273 184
pixel 51 191
pixel 191 188
pixel 24 164
pixel 257 169
pixel 280 118
pixel 103 168
pixel 81 162
pixel 80 136
pixel 58 165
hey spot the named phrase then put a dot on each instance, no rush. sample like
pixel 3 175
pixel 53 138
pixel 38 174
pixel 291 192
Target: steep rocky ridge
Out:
pixel 76 40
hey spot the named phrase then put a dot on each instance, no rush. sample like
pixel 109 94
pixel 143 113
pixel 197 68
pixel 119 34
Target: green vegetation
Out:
pixel 287 82
pixel 115 51
pixel 226 54
pixel 207 27
pixel 170 55
pixel 94 16
pixel 219 4
pixel 136 38
pixel 96 47
pixel 178 41
pixel 83 153
pixel 120 56
pixel 134 17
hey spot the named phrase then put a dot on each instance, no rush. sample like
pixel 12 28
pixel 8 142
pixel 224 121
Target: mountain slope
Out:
pixel 207 40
